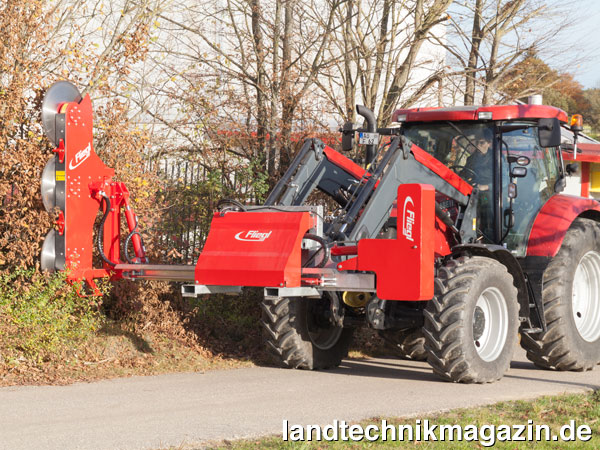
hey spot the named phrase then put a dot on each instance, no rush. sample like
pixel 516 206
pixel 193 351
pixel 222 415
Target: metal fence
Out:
pixel 188 196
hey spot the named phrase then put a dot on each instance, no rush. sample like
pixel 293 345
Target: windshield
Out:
pixel 451 144
pixel 466 148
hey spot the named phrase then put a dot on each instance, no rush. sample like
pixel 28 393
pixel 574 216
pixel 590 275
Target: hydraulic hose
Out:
pixel 445 217
pixel 324 247
pixel 128 240
pixel 100 234
pixel 223 204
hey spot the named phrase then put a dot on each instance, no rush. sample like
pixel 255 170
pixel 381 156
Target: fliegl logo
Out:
pixel 408 218
pixel 253 235
pixel 80 157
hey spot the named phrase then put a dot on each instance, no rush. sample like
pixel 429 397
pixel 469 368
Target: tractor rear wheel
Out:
pixel 299 334
pixel 571 298
pixel 471 323
pixel 409 343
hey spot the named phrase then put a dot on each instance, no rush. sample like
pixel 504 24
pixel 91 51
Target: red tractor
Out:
pixel 452 241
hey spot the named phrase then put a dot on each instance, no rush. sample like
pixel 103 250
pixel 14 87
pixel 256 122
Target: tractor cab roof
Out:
pixel 498 112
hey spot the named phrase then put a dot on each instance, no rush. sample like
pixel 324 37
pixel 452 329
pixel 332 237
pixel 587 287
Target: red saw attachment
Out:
pixel 76 182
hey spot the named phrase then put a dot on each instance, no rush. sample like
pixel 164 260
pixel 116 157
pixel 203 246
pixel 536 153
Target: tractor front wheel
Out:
pixel 471 324
pixel 299 334
pixel 571 298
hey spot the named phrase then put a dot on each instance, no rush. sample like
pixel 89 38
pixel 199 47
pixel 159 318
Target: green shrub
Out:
pixel 42 317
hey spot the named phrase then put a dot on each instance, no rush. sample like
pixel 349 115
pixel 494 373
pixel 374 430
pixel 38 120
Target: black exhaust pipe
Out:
pixel 371 127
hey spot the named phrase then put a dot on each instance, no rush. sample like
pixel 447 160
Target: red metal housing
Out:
pixel 254 249
pixel 404 266
pixel 86 177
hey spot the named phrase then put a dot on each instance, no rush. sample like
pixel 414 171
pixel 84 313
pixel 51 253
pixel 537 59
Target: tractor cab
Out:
pixel 515 163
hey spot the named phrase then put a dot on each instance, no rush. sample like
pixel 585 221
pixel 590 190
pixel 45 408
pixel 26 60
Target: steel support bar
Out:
pixel 156 272
pixel 193 290
pixel 328 279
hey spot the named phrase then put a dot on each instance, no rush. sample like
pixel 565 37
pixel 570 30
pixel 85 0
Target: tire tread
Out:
pixel 553 349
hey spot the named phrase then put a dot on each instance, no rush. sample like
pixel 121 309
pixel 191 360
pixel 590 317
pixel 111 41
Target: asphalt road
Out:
pixel 192 408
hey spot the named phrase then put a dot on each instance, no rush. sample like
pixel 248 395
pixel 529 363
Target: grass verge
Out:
pixel 554 411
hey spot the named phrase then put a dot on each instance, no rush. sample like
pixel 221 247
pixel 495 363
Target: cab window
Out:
pixel 533 190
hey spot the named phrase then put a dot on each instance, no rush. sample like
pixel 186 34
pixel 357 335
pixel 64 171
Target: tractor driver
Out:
pixel 479 170
pixel 480 162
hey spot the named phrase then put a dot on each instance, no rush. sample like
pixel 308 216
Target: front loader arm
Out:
pixel 410 164
pixel 372 193
pixel 316 166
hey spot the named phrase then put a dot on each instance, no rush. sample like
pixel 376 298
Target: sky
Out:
pixel 588 34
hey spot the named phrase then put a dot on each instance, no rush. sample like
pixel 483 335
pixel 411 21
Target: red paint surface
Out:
pixel 272 262
pixel 85 176
pixel 585 179
pixel 440 169
pixel 344 163
pixel 442 237
pixel 404 266
pixel 344 251
pixel 553 221
pixel 589 153
pixel 499 112
pixel 80 170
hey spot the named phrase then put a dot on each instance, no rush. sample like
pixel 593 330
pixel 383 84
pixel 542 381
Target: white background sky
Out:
pixel 588 35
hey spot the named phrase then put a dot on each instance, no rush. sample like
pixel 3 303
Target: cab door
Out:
pixel 532 190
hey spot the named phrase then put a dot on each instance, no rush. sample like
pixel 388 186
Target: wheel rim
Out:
pixel 323 334
pixel 586 297
pixel 490 324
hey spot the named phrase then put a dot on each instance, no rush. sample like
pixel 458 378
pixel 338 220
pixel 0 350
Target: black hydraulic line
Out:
pixel 229 201
pixel 369 172
pixel 445 217
pixel 100 234
pixel 324 247
pixel 361 198
pixel 128 240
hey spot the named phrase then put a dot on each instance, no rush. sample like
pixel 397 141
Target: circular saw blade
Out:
pixel 48 257
pixel 48 184
pixel 59 93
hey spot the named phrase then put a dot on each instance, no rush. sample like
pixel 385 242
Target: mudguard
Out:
pixel 553 221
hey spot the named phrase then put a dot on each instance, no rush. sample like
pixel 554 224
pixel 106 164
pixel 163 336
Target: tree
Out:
pixel 502 33
pixel 376 51
pixel 592 114
pixel 531 76
pixel 263 60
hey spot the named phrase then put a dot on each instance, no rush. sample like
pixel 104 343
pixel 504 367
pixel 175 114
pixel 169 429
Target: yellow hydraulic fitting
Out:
pixel 355 299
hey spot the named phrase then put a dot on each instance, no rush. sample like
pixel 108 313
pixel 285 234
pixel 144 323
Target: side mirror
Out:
pixel 348 136
pixel 520 160
pixel 549 132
